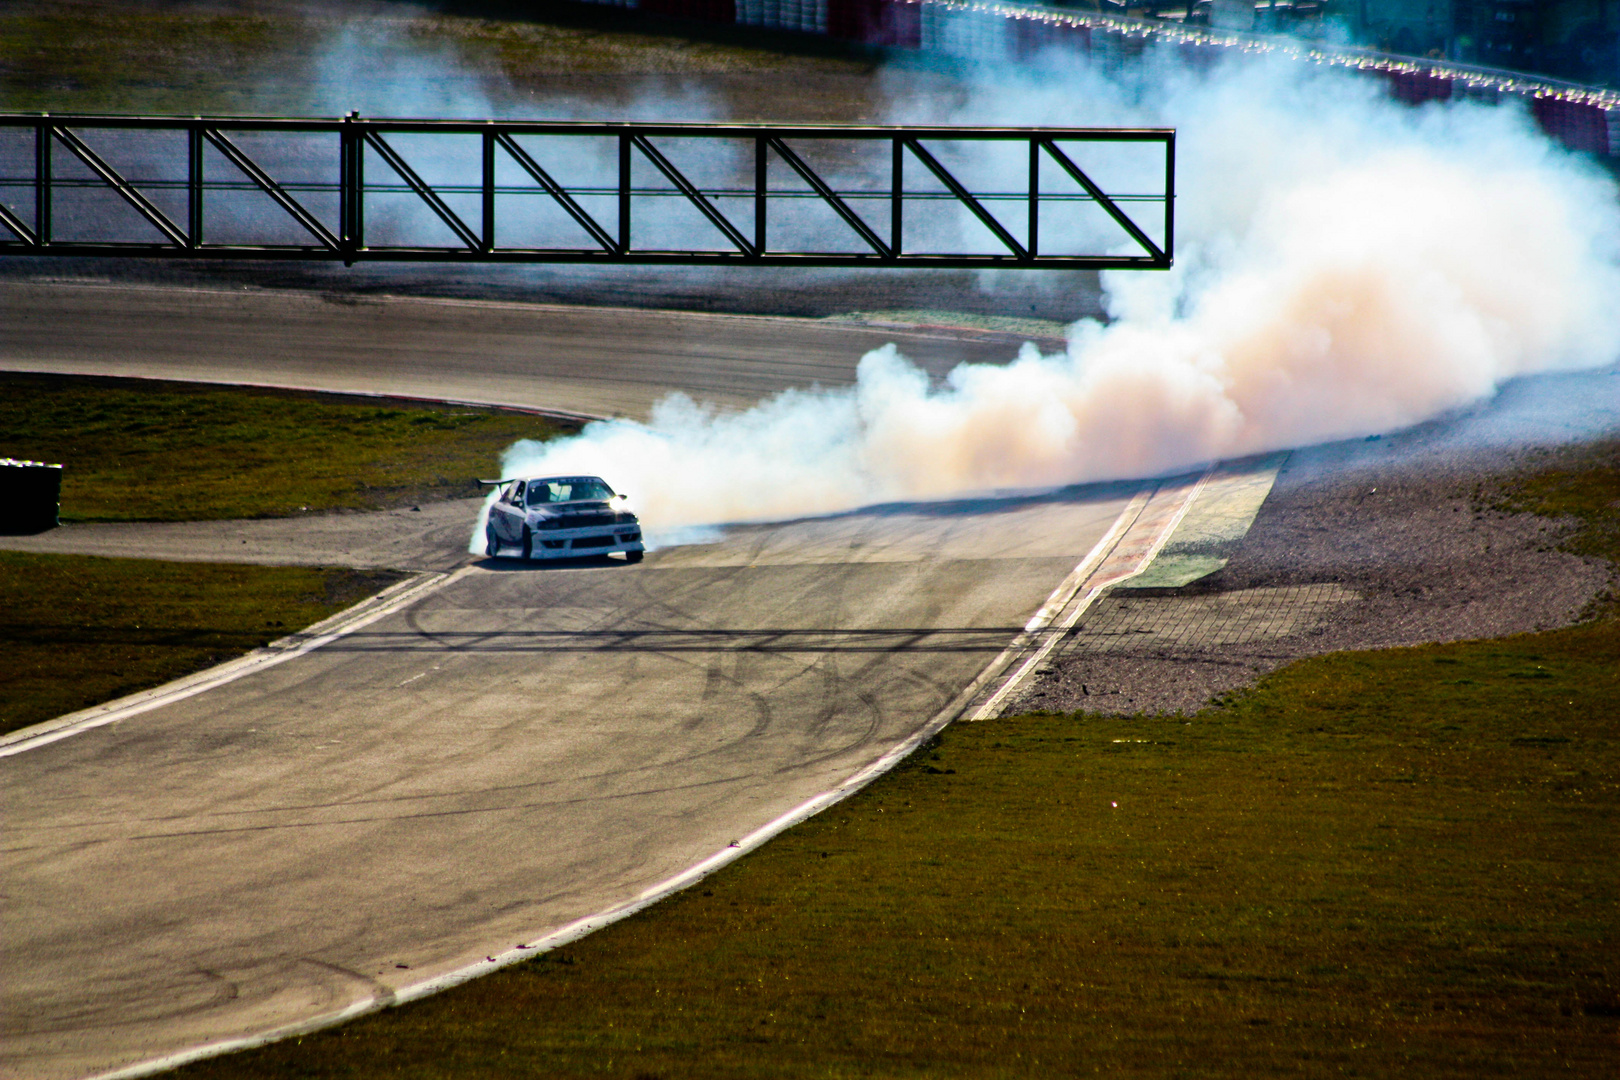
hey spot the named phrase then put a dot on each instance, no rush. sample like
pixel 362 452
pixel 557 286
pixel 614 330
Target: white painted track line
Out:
pixel 394 598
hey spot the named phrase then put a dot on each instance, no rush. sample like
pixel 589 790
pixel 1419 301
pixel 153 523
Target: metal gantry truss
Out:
pixel 179 176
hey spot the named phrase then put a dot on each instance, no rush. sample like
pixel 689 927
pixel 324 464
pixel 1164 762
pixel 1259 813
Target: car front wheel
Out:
pixel 528 543
pixel 632 556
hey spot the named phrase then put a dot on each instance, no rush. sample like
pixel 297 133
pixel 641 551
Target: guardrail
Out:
pixel 354 189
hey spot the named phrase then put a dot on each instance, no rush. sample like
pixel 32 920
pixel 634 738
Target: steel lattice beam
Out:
pixel 470 204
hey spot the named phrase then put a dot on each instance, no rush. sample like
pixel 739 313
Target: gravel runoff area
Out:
pixel 1360 545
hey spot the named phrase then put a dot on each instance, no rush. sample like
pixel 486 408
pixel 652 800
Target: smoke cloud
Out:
pixel 1346 266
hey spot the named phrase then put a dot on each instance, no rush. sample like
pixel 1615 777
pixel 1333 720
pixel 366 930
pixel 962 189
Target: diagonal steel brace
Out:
pixel 110 176
pixel 1101 198
pixel 253 172
pixel 967 199
pixel 716 218
pixel 423 191
pixel 15 224
pixel 830 197
pixel 556 191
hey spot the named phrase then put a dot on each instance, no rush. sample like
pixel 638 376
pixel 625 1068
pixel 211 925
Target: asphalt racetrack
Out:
pixel 524 746
pixel 585 360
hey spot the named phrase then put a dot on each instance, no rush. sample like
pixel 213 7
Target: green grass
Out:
pixel 143 451
pixel 1394 863
pixel 76 631
pixel 110 56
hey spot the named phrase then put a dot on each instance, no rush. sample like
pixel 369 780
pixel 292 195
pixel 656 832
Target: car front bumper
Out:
pixel 582 543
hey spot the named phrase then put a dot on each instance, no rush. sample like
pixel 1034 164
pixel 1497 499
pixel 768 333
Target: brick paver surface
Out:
pixel 1121 620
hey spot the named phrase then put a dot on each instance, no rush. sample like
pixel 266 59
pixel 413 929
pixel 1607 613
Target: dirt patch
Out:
pixel 1360 549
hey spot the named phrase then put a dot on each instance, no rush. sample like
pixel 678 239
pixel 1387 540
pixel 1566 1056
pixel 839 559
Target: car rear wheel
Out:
pixel 492 543
pixel 528 543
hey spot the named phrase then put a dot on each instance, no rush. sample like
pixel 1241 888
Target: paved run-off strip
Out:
pixel 1215 525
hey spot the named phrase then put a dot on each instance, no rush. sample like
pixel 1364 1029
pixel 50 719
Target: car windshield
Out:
pixel 567 489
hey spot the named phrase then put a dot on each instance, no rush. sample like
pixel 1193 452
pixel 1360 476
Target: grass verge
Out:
pixel 77 630
pixel 154 451
pixel 1400 862
pixel 111 56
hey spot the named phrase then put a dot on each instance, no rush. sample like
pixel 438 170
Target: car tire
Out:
pixel 528 543
pixel 633 556
pixel 492 543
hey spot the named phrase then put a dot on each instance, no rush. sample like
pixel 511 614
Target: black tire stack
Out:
pixel 30 496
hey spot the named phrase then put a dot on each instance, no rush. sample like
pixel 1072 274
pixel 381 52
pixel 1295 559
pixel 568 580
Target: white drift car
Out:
pixel 561 517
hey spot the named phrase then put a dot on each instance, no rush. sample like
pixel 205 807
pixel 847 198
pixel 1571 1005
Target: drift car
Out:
pixel 561 517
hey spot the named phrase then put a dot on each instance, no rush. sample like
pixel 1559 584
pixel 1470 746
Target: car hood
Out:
pixel 568 510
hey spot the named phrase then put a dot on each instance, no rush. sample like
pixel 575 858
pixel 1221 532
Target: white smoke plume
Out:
pixel 1346 266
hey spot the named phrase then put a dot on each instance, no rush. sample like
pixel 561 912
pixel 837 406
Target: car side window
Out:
pixel 517 493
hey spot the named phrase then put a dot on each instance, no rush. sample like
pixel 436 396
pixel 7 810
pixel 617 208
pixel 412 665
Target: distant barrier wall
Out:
pixel 1582 118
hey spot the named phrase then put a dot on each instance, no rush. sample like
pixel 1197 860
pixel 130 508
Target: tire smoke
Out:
pixel 1347 266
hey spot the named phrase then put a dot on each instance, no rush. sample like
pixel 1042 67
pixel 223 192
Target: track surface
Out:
pixel 595 361
pixel 523 747
pixel 432 537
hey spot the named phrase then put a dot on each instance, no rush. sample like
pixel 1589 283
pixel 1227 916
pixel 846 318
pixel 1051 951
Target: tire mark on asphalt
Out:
pixel 380 994
pixel 449 812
